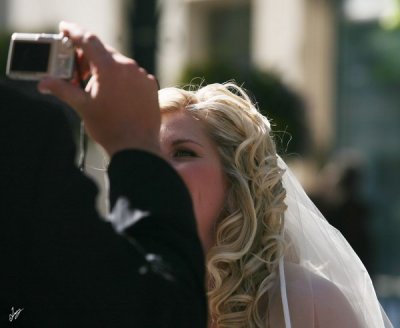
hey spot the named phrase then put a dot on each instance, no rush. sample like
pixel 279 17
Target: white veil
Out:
pixel 322 281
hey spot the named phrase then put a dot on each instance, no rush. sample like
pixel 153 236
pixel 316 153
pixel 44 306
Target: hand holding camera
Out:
pixel 120 102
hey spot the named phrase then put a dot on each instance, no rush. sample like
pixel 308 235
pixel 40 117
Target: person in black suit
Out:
pixel 62 265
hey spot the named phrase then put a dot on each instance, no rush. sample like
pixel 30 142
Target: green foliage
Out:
pixel 373 57
pixel 283 107
pixel 392 21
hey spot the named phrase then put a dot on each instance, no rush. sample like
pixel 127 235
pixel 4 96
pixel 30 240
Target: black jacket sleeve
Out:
pixel 169 231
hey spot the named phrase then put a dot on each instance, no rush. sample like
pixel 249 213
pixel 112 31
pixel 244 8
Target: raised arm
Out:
pixel 120 104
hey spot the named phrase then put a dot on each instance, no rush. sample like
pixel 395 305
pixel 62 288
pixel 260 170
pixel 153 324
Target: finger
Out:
pixel 153 78
pixel 90 85
pixel 94 50
pixel 118 57
pixel 65 91
pixel 82 63
pixel 110 49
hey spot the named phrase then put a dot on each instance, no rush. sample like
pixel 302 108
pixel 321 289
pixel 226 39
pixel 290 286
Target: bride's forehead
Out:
pixel 180 123
pixel 180 119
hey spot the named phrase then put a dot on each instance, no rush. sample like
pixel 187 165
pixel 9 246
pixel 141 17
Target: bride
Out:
pixel 272 258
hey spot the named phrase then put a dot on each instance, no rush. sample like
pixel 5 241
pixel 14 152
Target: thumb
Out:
pixel 65 91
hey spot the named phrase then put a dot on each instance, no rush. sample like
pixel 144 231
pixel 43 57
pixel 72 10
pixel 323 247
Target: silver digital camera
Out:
pixel 34 56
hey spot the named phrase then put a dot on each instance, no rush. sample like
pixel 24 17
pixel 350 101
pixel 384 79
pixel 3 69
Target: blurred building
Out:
pixel 294 38
pixel 367 114
pixel 101 16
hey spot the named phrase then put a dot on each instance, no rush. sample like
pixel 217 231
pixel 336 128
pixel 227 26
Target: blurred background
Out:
pixel 327 73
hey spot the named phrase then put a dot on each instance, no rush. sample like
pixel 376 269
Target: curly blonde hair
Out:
pixel 242 265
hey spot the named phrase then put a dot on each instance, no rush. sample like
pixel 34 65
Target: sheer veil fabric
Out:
pixel 322 282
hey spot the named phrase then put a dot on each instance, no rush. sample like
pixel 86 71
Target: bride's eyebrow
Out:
pixel 178 142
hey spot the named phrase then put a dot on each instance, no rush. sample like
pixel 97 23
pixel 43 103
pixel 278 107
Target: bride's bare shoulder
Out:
pixel 315 299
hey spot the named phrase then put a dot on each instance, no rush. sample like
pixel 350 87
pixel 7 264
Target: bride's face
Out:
pixel 186 145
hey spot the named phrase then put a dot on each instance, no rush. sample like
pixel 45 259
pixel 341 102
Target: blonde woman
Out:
pixel 272 259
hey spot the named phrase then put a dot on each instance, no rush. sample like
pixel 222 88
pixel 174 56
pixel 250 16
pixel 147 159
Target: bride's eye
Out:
pixel 184 153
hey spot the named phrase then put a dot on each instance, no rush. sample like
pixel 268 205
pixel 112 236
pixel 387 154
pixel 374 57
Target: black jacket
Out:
pixel 62 264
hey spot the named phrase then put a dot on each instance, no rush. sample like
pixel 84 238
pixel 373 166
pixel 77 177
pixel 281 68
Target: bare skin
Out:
pixel 187 147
